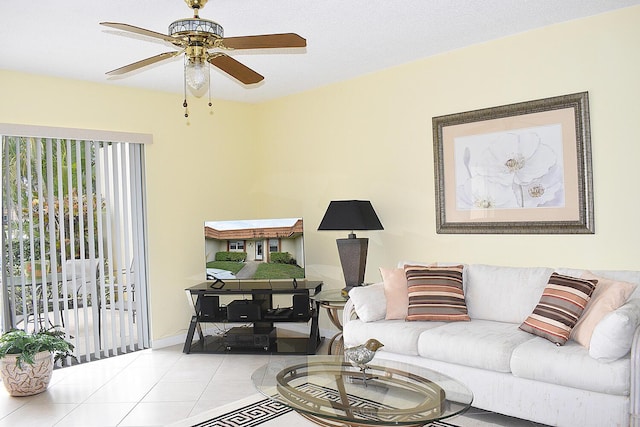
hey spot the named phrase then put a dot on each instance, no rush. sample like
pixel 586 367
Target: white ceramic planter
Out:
pixel 29 379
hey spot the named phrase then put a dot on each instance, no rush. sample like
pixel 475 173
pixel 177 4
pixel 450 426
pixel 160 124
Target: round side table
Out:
pixel 333 301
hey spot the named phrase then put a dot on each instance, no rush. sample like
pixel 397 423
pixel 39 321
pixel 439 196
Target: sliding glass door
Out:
pixel 73 241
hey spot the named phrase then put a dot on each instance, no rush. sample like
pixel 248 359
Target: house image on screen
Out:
pixel 258 239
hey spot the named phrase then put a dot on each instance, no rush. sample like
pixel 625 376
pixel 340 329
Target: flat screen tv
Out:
pixel 254 249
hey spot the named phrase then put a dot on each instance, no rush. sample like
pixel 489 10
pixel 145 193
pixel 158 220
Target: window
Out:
pixel 274 245
pixel 73 241
pixel 236 246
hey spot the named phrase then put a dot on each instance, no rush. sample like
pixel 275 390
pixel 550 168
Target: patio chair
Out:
pixel 81 283
pixel 128 287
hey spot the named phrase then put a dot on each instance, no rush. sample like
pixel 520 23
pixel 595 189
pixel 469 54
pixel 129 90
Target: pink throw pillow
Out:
pixel 396 292
pixel 608 296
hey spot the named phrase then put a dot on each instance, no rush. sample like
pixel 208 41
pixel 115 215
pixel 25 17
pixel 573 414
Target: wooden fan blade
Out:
pixel 143 63
pixel 264 41
pixel 142 31
pixel 236 69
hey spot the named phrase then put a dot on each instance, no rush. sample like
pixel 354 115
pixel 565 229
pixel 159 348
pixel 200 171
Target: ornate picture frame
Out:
pixel 521 168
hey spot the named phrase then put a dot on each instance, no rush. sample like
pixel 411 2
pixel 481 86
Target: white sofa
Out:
pixel 511 371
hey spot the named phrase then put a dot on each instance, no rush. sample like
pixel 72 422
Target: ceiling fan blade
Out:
pixel 142 31
pixel 143 63
pixel 264 41
pixel 235 69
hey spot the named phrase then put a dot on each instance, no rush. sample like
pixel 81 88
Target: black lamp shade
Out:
pixel 350 215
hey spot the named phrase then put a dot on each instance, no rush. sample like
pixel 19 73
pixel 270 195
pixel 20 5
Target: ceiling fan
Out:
pixel 202 41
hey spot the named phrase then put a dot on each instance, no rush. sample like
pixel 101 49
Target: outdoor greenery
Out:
pixel 43 203
pixel 231 256
pixel 282 265
pixel 279 271
pixel 282 258
pixel 27 345
pixel 265 270
pixel 27 197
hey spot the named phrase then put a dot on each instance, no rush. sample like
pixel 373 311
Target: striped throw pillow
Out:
pixel 435 293
pixel 561 305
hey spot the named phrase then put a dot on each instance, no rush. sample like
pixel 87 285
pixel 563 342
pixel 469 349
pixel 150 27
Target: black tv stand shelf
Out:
pixel 250 304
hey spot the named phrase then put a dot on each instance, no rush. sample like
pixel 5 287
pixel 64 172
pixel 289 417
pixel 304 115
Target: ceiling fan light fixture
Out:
pixel 196 73
pixel 200 40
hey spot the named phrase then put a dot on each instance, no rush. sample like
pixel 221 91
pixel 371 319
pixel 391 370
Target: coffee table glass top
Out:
pixel 331 391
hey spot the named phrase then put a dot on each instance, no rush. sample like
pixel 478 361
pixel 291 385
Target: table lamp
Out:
pixel 351 215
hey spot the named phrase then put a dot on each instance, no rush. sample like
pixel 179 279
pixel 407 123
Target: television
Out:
pixel 254 249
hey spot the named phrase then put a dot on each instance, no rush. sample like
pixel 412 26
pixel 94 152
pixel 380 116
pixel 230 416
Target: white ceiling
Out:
pixel 345 38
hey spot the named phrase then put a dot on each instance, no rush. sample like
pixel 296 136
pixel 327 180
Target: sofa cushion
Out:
pixel 569 365
pixel 435 293
pixel 479 344
pixel 503 294
pixel 397 336
pixel 563 301
pixel 631 276
pixel 608 296
pixel 396 292
pixel 369 302
pixel 613 336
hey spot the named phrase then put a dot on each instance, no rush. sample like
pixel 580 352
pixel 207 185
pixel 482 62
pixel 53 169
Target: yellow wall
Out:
pixel 194 168
pixel 369 138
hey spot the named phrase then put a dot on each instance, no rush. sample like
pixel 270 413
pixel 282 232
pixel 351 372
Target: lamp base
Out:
pixel 353 257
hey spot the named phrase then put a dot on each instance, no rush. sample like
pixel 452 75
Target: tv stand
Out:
pixel 250 304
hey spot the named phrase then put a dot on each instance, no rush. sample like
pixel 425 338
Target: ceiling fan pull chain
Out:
pixel 184 87
pixel 209 90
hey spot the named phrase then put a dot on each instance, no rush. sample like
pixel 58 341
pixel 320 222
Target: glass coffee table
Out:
pixel 332 392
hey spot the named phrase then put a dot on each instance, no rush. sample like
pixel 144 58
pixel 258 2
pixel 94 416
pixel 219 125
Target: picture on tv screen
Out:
pixel 258 249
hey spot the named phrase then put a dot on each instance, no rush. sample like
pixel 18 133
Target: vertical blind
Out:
pixel 73 242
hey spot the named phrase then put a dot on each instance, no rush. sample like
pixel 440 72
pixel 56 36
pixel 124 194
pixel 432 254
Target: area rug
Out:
pixel 253 411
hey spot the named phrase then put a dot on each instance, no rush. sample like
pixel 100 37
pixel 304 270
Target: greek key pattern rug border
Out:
pixel 264 410
pixel 250 415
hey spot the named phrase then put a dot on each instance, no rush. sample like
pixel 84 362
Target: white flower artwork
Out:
pixel 514 169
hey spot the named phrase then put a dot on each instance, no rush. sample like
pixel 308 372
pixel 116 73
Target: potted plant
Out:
pixel 26 359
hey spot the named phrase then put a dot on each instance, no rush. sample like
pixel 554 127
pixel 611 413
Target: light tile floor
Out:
pixel 154 388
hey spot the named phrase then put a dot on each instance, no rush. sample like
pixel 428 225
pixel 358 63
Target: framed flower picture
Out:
pixel 518 168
